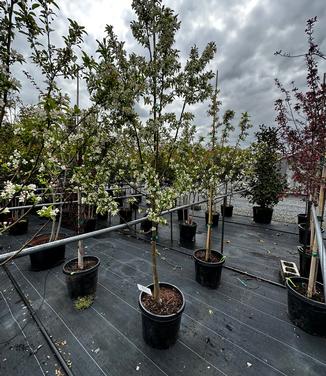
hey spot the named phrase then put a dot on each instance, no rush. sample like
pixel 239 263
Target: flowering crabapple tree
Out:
pixel 152 82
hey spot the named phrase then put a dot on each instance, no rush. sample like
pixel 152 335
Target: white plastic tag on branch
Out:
pixel 144 289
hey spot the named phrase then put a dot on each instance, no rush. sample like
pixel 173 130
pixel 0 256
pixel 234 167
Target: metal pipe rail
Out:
pixel 321 246
pixel 75 238
pixel 59 203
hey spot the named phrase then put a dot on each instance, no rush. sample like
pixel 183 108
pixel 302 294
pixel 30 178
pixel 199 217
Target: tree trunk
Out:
pixel 209 226
pixel 156 293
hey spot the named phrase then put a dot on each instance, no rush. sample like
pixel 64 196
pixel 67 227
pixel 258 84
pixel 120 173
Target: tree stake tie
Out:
pixel 292 283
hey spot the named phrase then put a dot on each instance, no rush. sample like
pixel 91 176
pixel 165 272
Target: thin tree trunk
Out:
pixel 156 293
pixel 7 60
pixel 209 226
pixel 81 251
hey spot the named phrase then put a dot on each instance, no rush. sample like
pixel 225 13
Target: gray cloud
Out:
pixel 247 34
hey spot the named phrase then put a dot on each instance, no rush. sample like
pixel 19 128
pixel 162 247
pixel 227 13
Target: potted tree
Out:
pixel 208 262
pixel 303 132
pixel 266 183
pixel 155 80
pixel 303 126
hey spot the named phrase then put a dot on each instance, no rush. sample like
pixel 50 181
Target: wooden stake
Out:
pixel 314 250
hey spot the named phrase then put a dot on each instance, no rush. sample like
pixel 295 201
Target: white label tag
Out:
pixel 144 289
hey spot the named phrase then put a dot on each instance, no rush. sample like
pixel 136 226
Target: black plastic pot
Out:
pixel 125 215
pixel 182 214
pixel 89 225
pixel 305 261
pixel 187 232
pixel 102 217
pixel 215 218
pixel 307 314
pixel 302 218
pixel 160 331
pixel 146 226
pixel 208 274
pixel 82 282
pixel 304 236
pixel 5 217
pixel 119 201
pixel 19 228
pixel 49 258
pixel 228 210
pixel 262 215
pixel 139 198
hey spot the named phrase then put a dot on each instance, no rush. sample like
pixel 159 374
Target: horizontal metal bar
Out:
pixel 75 238
pixel 320 245
pixel 11 208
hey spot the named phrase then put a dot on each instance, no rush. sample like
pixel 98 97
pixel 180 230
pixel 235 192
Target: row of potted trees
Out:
pixel 81 151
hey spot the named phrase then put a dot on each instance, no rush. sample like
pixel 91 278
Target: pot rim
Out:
pixel 61 236
pixel 302 297
pixel 207 262
pixel 84 270
pixel 193 224
pixel 263 207
pixel 162 317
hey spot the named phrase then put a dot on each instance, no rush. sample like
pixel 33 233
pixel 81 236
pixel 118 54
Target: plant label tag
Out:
pixel 144 289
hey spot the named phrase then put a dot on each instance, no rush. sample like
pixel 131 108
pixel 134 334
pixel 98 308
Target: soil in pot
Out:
pixel 187 232
pixel 125 215
pixel 305 261
pixel 49 258
pixel 82 282
pixel 262 215
pixel 227 210
pixel 307 314
pixel 161 321
pixel 182 214
pixel 19 228
pixel 215 218
pixel 208 273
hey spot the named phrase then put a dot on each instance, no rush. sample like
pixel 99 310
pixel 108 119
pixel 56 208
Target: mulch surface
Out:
pixel 170 302
pixel 214 259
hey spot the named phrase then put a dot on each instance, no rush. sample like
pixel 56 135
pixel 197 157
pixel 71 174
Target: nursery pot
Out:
pixel 227 210
pixel 305 261
pixel 215 218
pixel 47 258
pixel 81 282
pixel 262 215
pixel 160 331
pixel 187 232
pixel 89 225
pixel 102 217
pixel 19 228
pixel 307 314
pixel 125 215
pixel 5 217
pixel 304 236
pixel 302 218
pixel 146 226
pixel 208 274
pixel 182 214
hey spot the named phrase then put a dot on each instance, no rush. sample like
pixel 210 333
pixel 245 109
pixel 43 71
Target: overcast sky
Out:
pixel 247 33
